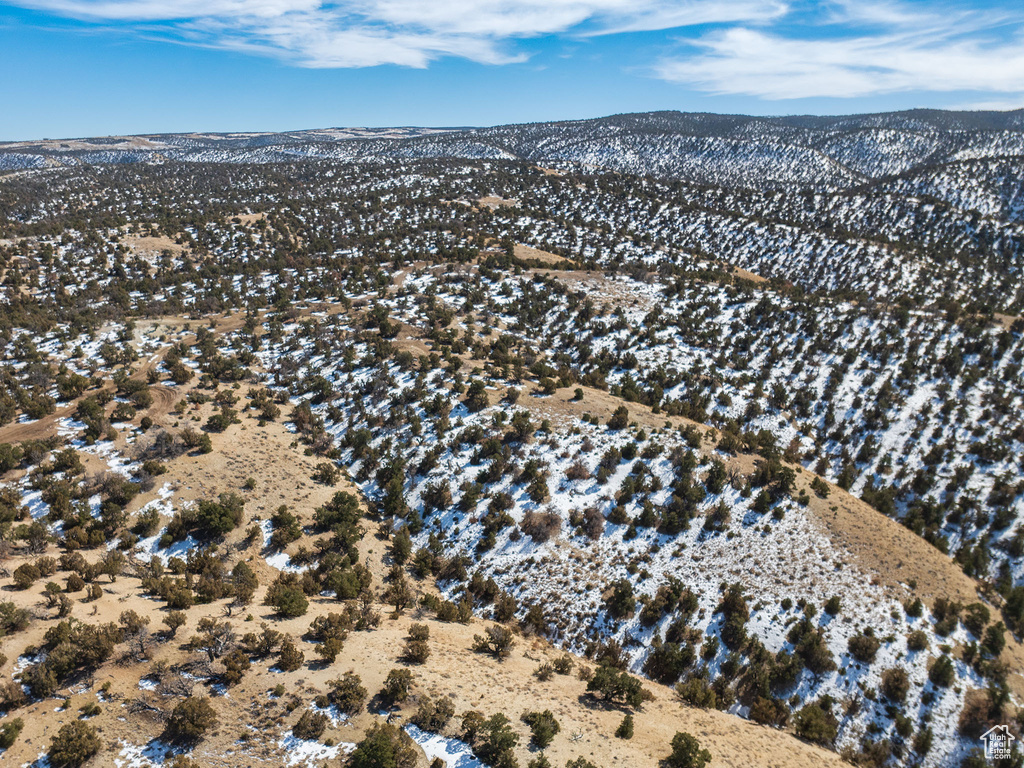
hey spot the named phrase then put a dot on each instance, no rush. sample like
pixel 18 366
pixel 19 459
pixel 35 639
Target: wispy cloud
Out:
pixel 356 33
pixel 1013 101
pixel 661 16
pixel 861 50
pixel 770 49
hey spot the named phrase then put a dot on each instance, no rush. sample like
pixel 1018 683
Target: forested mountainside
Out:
pixel 724 415
pixel 963 159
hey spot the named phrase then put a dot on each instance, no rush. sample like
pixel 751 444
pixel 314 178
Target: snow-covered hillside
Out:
pixel 620 382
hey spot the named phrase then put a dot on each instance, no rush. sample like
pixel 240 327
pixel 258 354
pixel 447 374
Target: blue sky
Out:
pixel 99 67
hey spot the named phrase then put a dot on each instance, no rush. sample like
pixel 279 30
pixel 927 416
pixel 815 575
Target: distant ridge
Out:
pixel 911 153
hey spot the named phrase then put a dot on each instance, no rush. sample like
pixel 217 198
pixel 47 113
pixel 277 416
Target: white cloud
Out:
pixel 658 16
pixel 763 48
pixel 870 49
pixel 1006 104
pixel 354 33
pixel 155 10
pixel 305 39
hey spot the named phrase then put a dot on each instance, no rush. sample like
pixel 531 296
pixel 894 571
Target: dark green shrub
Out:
pixel 311 725
pixel 286 596
pixel 543 727
pixel 498 641
pixel 687 752
pixel 433 715
pixel 191 719
pixel 291 656
pixel 347 693
pixel 10 731
pixel 397 686
pixel 496 741
pixel 619 419
pixel 625 729
pixel 75 744
pixel 816 724
pixel 25 575
pixel 942 672
pixel 863 647
pixel 895 684
pixel 616 685
pixel 385 746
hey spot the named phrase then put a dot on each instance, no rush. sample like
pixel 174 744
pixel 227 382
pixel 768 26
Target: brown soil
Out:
pixel 248 218
pixel 496 202
pixel 475 681
pixel 271 454
pixel 152 247
pixel 747 274
pixel 527 253
pixel 1005 320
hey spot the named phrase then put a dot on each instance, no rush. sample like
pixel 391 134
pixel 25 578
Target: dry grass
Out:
pixel 745 274
pixel 474 681
pixel 270 454
pixel 527 253
pixel 150 247
pixel 493 202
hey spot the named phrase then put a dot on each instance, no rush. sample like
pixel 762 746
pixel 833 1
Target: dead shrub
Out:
pixel 541 526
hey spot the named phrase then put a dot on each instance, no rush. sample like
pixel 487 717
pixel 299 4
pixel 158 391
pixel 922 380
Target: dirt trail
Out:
pixel 17 432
